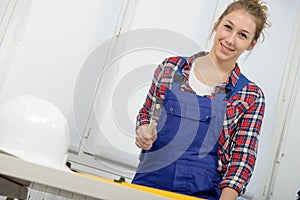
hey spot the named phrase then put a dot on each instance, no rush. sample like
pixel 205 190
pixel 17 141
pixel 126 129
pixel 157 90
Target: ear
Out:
pixel 251 46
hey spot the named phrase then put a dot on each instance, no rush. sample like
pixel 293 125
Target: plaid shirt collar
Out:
pixel 233 78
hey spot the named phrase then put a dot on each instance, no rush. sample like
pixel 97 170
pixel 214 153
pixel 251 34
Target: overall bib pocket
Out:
pixel 195 180
pixel 186 120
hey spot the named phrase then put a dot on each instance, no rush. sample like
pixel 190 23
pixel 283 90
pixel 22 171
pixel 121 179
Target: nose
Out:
pixel 230 39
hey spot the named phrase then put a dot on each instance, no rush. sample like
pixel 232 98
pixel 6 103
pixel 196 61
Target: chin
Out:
pixel 223 57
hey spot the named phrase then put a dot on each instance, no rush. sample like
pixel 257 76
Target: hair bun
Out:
pixel 261 4
pixel 255 1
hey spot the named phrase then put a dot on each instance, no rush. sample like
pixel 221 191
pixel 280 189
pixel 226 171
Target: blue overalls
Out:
pixel 184 158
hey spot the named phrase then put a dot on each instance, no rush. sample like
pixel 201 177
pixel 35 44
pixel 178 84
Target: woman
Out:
pixel 206 139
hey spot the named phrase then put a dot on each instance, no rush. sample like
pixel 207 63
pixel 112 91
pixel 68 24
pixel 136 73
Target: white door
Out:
pixel 285 180
pixel 287 176
pixel 44 47
pixel 150 32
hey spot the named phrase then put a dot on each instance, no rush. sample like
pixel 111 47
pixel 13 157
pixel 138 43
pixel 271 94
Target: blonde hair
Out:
pixel 255 8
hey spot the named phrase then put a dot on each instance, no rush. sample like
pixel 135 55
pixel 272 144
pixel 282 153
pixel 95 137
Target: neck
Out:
pixel 224 67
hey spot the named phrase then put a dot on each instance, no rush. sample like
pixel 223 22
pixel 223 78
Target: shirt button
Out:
pixel 171 109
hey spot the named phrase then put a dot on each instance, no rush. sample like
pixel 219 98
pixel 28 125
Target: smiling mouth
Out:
pixel 225 49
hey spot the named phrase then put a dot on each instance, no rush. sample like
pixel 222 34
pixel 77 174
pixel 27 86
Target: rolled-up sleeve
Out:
pixel 145 112
pixel 244 143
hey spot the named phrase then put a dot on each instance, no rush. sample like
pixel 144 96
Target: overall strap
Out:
pixel 178 77
pixel 241 83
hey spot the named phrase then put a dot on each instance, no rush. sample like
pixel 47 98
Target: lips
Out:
pixel 225 49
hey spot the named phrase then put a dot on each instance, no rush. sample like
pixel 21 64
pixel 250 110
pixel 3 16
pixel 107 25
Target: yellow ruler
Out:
pixel 164 193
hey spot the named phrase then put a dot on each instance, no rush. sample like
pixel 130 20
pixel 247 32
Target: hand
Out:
pixel 228 194
pixel 144 139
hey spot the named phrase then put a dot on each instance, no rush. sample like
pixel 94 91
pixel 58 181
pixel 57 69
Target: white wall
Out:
pixel 58 37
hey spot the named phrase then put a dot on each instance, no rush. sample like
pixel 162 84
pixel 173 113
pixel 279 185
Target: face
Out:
pixel 234 35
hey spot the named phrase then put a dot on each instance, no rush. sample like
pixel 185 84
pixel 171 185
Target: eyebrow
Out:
pixel 230 22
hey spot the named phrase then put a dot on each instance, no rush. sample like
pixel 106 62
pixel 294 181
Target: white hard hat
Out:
pixel 34 130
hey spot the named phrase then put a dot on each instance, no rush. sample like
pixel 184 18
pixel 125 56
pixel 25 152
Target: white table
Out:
pixel 17 175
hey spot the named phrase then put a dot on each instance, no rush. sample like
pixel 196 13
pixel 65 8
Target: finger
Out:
pixel 138 144
pixel 143 145
pixel 139 141
pixel 145 137
pixel 142 142
pixel 148 147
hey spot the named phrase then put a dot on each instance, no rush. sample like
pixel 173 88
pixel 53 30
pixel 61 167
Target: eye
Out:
pixel 243 35
pixel 228 27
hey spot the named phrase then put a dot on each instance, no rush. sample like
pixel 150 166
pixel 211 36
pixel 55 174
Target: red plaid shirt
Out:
pixel 238 141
